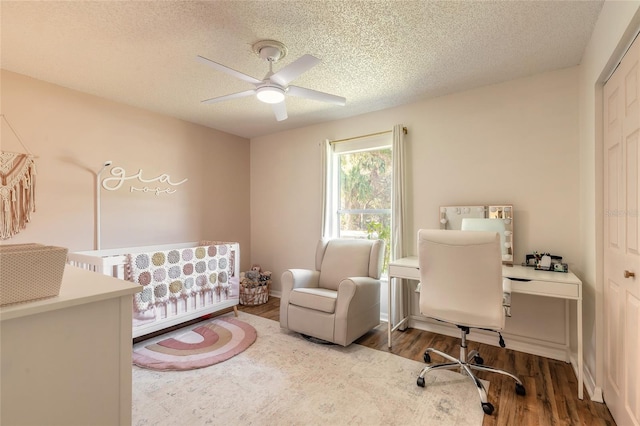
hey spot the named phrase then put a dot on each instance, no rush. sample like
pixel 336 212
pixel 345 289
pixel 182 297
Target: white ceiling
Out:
pixel 377 54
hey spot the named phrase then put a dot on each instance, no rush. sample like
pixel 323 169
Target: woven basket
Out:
pixel 252 294
pixel 30 271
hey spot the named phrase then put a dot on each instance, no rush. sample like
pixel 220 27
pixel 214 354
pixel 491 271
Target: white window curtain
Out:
pixel 398 223
pixel 328 228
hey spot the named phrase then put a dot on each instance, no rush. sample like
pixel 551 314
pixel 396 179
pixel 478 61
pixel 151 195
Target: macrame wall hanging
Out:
pixel 17 188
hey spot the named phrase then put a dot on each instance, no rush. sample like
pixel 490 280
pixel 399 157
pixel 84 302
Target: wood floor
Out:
pixel 551 385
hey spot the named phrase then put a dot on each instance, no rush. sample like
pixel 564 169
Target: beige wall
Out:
pixel 534 142
pixel 617 25
pixel 515 142
pixel 73 134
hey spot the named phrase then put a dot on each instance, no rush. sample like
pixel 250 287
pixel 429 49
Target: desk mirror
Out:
pixel 498 218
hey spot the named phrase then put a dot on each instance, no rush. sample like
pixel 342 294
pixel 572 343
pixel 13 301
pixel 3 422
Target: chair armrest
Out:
pixel 299 278
pixel 294 278
pixel 357 293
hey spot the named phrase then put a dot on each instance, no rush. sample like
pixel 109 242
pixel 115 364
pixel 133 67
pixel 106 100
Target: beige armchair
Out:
pixel 339 301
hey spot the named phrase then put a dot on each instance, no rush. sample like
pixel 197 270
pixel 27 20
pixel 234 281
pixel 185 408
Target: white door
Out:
pixel 622 240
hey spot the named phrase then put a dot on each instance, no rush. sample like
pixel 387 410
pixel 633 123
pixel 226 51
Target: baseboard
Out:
pixel 517 343
pixel 594 391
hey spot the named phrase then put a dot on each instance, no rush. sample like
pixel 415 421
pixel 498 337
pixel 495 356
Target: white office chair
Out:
pixel 461 283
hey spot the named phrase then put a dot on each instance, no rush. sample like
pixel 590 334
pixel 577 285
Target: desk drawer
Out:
pixel 547 289
pixel 407 272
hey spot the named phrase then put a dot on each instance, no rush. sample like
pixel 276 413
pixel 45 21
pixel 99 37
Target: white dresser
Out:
pixel 66 360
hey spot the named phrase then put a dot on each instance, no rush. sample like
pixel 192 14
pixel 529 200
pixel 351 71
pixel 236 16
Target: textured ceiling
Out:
pixel 377 54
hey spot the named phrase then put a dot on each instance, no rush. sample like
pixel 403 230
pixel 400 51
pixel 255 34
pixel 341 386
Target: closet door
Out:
pixel 621 240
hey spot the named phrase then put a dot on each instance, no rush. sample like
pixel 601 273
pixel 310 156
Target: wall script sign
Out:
pixel 120 177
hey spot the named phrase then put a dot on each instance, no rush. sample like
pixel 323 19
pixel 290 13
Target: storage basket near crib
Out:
pixel 30 272
pixel 254 286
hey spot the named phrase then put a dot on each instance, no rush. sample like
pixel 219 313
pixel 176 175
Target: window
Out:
pixel 362 178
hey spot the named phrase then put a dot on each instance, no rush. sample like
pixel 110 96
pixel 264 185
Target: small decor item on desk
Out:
pixel 545 262
pixel 30 271
pixel 560 267
pixel 254 286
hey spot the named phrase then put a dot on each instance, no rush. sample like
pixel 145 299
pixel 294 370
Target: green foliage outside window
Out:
pixel 365 196
pixel 378 231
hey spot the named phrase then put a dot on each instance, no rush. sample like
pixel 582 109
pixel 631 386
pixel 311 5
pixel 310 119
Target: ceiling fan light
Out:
pixel 270 94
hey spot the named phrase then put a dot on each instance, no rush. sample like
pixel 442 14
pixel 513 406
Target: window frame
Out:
pixel 369 143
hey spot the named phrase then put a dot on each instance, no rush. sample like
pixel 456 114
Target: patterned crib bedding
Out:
pixel 181 280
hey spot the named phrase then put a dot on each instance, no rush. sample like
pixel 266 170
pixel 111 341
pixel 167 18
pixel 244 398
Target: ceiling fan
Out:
pixel 274 87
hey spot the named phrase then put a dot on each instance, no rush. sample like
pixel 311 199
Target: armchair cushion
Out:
pixel 320 299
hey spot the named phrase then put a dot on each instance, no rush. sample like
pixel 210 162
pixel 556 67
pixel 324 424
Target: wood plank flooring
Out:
pixel 551 385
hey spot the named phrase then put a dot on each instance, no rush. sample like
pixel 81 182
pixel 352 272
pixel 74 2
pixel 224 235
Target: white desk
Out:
pixel 540 283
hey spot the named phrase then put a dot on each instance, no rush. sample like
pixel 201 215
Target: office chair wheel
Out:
pixel 420 382
pixel 427 358
pixel 487 407
pixel 478 360
pixel 520 390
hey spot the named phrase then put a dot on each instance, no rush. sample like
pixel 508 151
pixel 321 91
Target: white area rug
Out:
pixel 283 379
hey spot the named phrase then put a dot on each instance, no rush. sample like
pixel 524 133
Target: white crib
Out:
pixel 178 307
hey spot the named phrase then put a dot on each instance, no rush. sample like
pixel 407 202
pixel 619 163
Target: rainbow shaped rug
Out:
pixel 206 344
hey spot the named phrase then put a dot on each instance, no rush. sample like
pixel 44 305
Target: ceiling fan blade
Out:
pixel 280 110
pixel 301 92
pixel 228 97
pixel 294 69
pixel 228 70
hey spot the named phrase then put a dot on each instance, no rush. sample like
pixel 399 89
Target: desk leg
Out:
pixel 390 312
pixel 567 330
pixel 580 355
pixel 400 323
